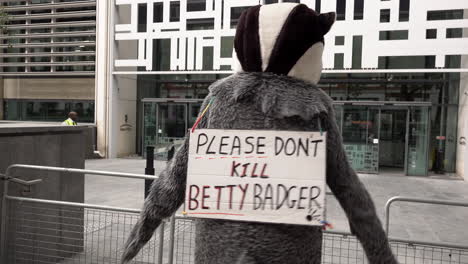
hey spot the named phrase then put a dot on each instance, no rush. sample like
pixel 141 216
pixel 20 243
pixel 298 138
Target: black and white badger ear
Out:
pixel 326 21
pixel 284 38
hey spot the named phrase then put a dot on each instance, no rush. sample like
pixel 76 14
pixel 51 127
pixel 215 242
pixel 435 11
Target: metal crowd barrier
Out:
pixel 45 231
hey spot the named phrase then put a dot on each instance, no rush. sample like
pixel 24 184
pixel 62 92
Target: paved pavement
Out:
pixel 408 221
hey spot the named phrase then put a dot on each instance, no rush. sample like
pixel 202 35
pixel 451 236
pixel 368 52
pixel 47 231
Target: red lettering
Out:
pixel 244 191
pixel 230 194
pixel 204 196
pixel 193 199
pixel 219 188
pixel 244 173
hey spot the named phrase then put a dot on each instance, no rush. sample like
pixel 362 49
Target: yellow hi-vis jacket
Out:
pixel 69 122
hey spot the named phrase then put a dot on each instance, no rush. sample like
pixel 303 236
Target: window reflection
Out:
pixel 56 110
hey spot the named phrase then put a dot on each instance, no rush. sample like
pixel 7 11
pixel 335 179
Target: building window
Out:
pixel 406 62
pixel 384 15
pixel 454 32
pixel 393 35
pixel 157 13
pixel 339 61
pixel 142 14
pixel 358 9
pixel 445 14
pixel 48 110
pixel 174 12
pixel 339 40
pixel 357 52
pixel 318 4
pixel 431 33
pixel 404 10
pixel 196 5
pixel 340 9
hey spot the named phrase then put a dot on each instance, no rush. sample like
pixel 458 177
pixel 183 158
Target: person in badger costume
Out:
pixel 278 56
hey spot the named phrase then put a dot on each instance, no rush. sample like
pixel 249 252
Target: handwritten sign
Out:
pixel 256 175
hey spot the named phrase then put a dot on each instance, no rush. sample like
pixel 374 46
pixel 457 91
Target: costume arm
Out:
pixel 355 200
pixel 166 196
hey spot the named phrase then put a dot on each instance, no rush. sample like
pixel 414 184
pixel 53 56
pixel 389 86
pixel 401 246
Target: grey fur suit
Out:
pixel 272 102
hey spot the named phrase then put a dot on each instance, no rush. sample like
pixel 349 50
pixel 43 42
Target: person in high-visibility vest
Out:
pixel 71 121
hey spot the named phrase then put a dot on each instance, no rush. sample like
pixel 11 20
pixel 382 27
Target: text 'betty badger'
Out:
pixel 245 171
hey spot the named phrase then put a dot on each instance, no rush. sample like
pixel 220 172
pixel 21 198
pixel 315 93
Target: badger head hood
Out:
pixel 285 39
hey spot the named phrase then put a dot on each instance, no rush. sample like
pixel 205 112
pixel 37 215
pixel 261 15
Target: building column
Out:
pixel 462 150
pixel 103 74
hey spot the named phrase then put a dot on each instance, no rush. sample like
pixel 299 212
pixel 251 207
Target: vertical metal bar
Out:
pixel 157 124
pixel 408 112
pixel 186 106
pixel 161 243
pixel 428 138
pixel 379 119
pixel 387 216
pixel 3 251
pixel 149 170
pixel 171 241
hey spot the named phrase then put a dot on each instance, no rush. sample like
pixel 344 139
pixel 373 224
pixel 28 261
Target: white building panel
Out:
pixel 187 45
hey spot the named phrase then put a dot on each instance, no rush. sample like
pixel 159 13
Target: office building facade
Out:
pixel 47 60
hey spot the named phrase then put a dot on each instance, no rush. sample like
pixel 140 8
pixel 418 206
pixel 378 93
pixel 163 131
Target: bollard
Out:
pixel 149 170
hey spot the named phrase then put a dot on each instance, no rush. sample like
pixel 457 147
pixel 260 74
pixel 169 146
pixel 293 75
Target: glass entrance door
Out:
pixel 171 124
pixel 166 123
pixel 392 142
pixel 360 130
pixel 386 139
pixel 418 141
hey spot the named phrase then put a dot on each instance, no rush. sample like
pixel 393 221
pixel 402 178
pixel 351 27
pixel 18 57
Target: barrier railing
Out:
pixel 419 201
pixel 47 231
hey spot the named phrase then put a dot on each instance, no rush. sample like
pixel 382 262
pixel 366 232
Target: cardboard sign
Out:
pixel 257 175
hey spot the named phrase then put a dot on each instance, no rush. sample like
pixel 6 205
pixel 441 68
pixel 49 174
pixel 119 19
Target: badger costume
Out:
pixel 278 55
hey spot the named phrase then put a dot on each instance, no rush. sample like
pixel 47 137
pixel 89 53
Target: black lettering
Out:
pixel 316 143
pixel 251 144
pixel 201 144
pixel 260 145
pixel 236 145
pixel 222 144
pixel 268 196
pixel 209 146
pixel 258 201
pixel 301 197
pixel 293 202
pixel 288 144
pixel 313 196
pixel 305 148
pixel 252 174
pixel 234 168
pixel 278 195
pixel 278 140
pixel 263 175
